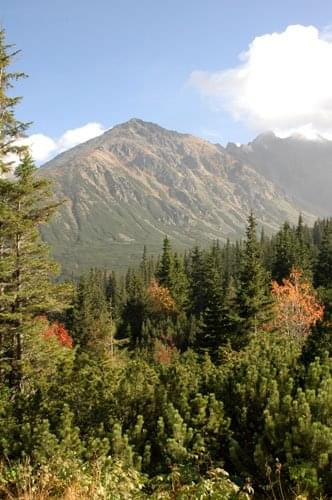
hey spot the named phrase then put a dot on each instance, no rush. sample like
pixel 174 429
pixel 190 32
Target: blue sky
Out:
pixel 108 61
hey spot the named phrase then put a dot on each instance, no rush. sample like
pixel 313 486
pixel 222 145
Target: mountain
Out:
pixel 139 181
pixel 302 168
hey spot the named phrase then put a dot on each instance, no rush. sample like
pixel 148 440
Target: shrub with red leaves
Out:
pixel 58 331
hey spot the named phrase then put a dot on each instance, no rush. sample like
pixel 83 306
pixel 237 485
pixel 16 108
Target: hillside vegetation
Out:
pixel 197 375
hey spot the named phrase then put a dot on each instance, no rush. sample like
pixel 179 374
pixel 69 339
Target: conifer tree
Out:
pixel 11 129
pixel 179 288
pixel 171 275
pixel 253 297
pixel 303 251
pixel 197 283
pixel 26 290
pixel 227 263
pixel 133 314
pixel 285 257
pixel 113 294
pixel 91 315
pixel 228 313
pixel 219 317
pixel 165 270
pixel 212 316
pixel 317 231
pixel 146 267
pixel 217 256
pixel 323 267
pixel 238 252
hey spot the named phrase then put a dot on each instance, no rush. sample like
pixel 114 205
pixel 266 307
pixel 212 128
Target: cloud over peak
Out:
pixel 282 83
pixel 44 147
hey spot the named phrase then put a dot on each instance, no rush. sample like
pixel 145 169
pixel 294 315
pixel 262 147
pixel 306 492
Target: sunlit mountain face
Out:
pixel 138 181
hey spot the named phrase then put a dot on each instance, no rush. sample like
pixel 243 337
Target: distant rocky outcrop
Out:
pixel 302 168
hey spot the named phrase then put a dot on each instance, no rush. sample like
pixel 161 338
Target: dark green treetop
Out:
pixel 11 129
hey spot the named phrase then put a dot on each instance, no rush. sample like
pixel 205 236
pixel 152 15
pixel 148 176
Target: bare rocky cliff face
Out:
pixel 138 182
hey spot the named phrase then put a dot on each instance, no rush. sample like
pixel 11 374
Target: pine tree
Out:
pixel 228 314
pixel 210 337
pixel 303 251
pixel 253 298
pixel 11 129
pixel 165 270
pixel 227 263
pixel 238 254
pixel 198 287
pixel 25 267
pixel 133 314
pixel 113 295
pixel 179 288
pixel 285 257
pixel 146 267
pixel 317 231
pixel 91 316
pixel 323 267
pixel 171 275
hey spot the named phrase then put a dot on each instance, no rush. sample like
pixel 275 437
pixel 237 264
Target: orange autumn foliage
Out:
pixel 56 330
pixel 296 306
pixel 164 350
pixel 160 298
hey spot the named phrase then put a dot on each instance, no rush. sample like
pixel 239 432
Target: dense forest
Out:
pixel 206 375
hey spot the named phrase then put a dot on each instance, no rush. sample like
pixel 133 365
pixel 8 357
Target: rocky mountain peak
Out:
pixel 138 129
pixel 139 181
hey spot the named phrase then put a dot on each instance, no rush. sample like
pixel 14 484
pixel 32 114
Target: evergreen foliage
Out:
pixel 153 383
pixel 285 257
pixel 91 312
pixel 11 129
pixel 25 265
pixel 253 298
pixel 323 268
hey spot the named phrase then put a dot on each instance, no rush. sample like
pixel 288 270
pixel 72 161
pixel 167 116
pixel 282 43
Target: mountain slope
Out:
pixel 300 167
pixel 138 182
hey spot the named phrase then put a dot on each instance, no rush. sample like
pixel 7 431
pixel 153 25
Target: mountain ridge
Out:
pixel 301 167
pixel 138 181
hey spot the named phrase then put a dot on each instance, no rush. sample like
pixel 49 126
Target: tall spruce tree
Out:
pixel 285 254
pixel 171 275
pixel 228 263
pixel 198 287
pixel 146 267
pixel 26 289
pixel 91 316
pixel 179 288
pixel 210 337
pixel 303 251
pixel 113 294
pixel 11 129
pixel 323 267
pixel 26 271
pixel 165 273
pixel 134 309
pixel 253 297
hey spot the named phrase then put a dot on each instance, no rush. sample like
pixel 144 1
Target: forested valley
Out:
pixel 201 375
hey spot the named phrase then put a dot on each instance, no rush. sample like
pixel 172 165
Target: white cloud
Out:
pixel 78 135
pixel 43 148
pixel 283 83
